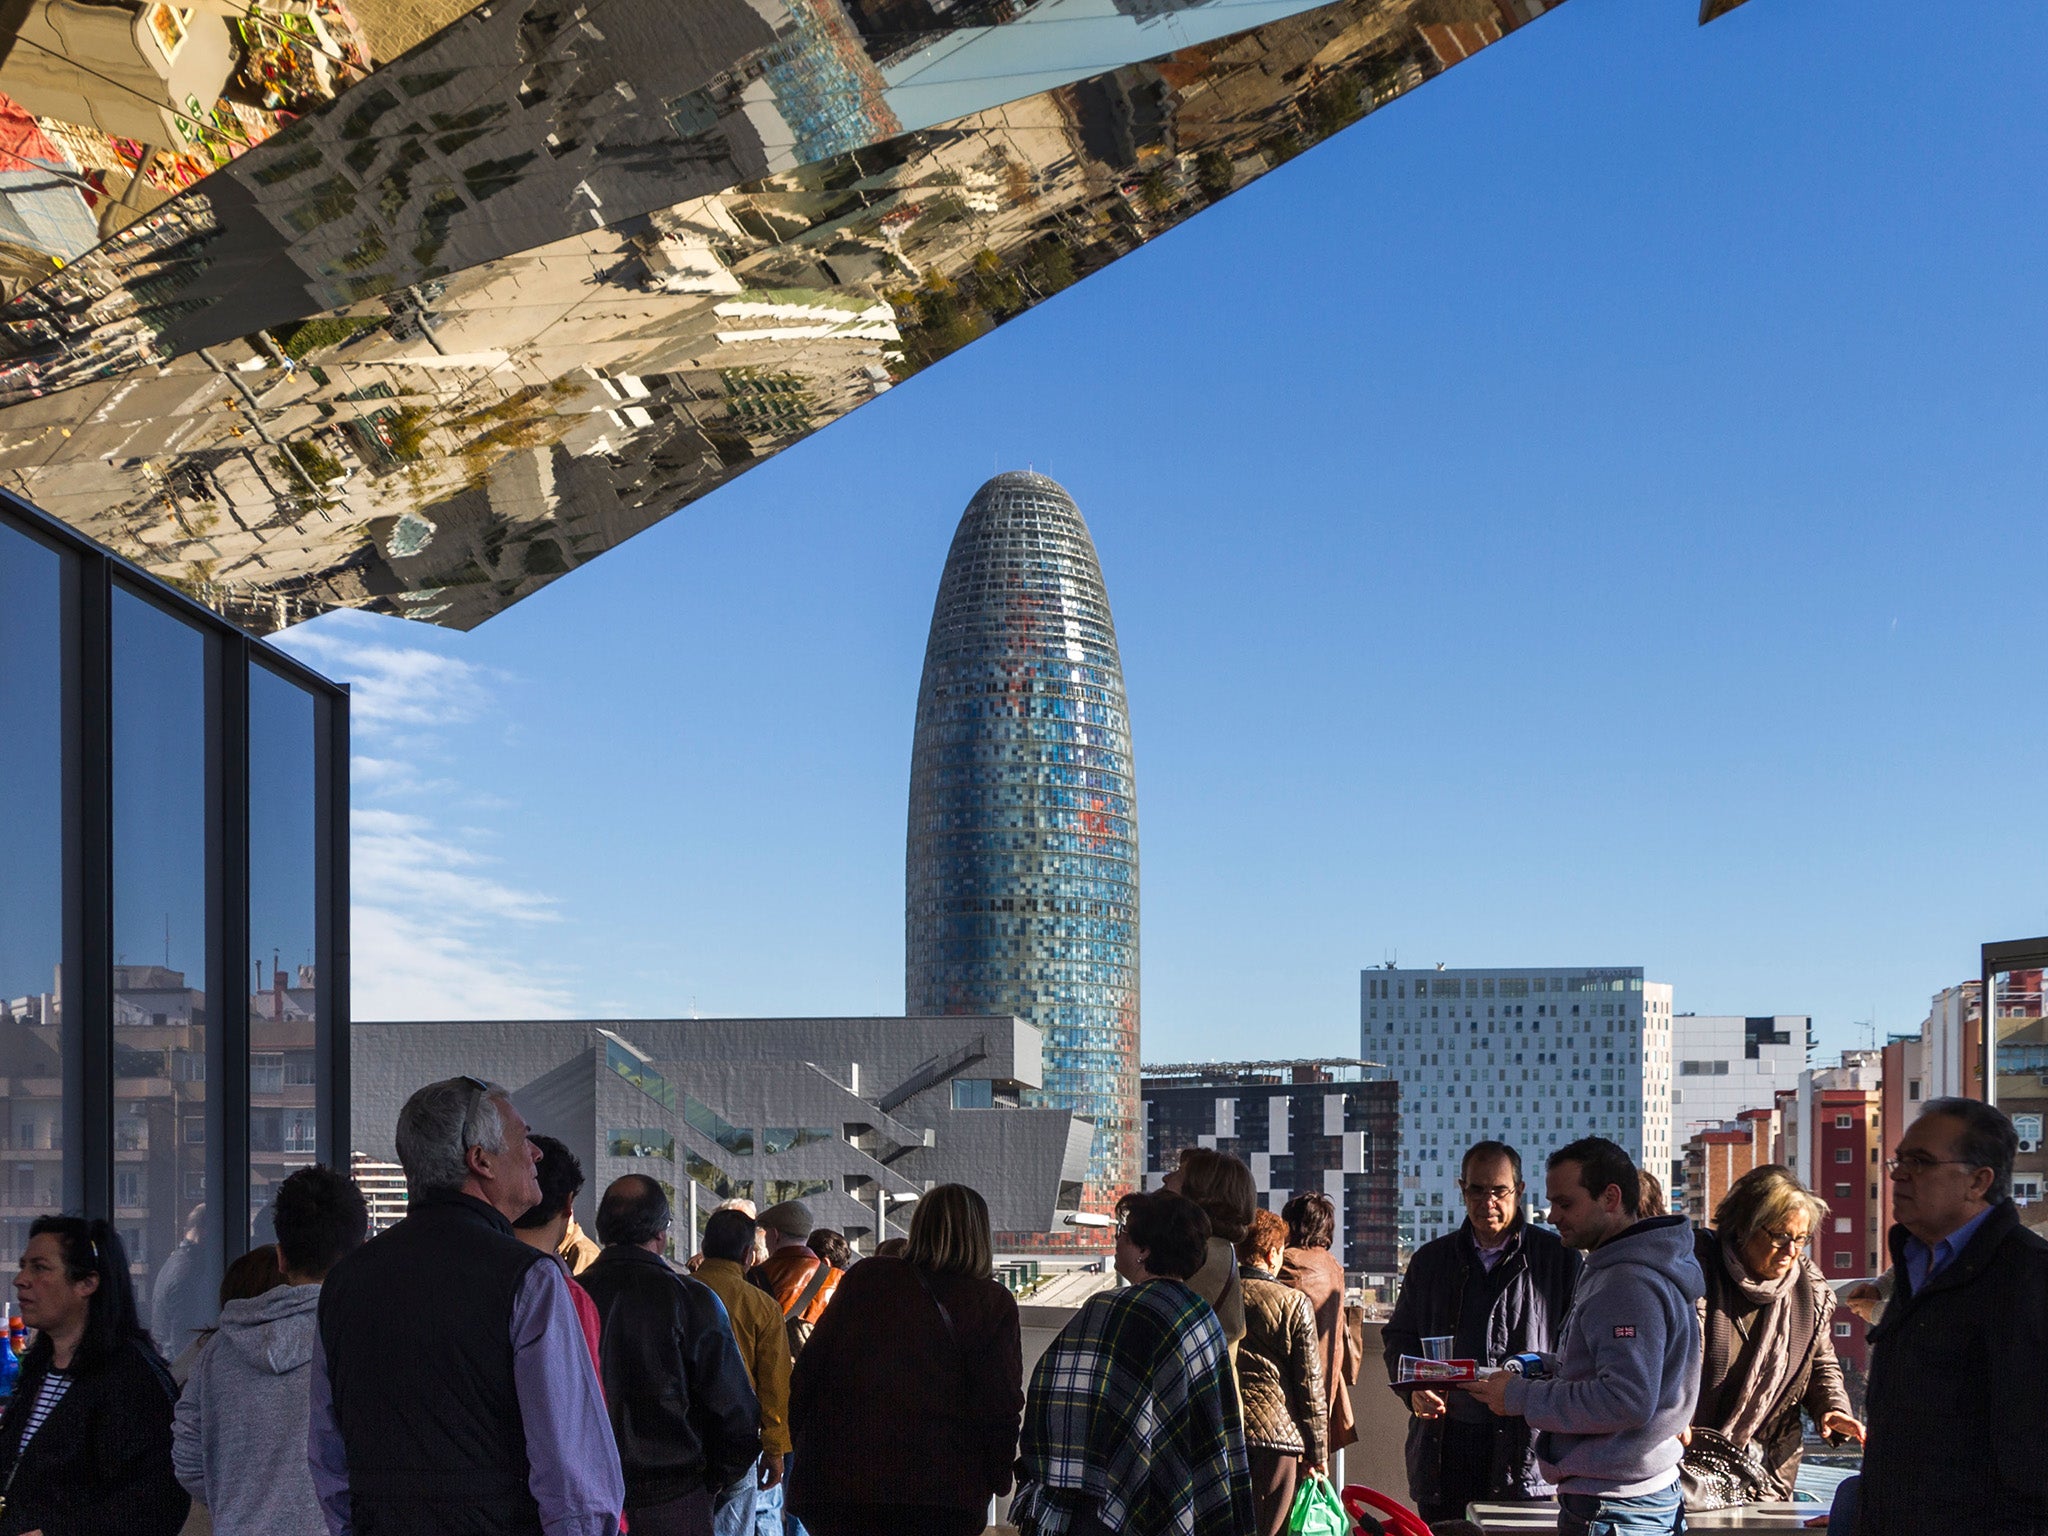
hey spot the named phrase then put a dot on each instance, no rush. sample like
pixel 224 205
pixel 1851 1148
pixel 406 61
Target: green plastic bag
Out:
pixel 1317 1511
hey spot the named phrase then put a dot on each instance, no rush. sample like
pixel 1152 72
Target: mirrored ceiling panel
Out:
pixel 563 269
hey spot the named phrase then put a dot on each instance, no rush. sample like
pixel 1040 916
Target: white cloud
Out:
pixel 404 970
pixel 390 685
pixel 435 931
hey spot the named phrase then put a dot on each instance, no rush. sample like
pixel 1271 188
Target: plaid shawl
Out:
pixel 1133 1414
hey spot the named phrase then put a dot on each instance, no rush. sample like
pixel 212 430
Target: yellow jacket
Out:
pixel 764 1346
pixel 577 1251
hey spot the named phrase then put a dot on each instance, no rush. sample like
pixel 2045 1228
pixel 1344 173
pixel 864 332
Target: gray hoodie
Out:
pixel 239 1440
pixel 1628 1370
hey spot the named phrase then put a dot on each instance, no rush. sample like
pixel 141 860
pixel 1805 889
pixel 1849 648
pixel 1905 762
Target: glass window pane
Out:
pixel 167 1122
pixel 32 1118
pixel 283 869
pixel 2021 1034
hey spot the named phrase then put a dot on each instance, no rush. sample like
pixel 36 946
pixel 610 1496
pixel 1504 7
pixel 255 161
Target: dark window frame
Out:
pixel 91 575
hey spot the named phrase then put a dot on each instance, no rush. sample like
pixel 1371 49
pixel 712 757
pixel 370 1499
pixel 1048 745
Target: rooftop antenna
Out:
pixel 167 941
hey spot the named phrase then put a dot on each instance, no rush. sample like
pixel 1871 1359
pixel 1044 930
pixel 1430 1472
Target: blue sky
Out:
pixel 1587 513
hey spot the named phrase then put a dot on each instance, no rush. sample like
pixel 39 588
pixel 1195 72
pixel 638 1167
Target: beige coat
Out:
pixel 1216 1282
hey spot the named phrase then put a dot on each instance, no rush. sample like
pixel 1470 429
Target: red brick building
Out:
pixel 1715 1159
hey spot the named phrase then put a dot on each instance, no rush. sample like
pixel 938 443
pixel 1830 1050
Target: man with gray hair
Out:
pixel 1959 1362
pixel 452 1392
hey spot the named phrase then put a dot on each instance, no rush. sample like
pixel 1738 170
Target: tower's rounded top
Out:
pixel 1023 480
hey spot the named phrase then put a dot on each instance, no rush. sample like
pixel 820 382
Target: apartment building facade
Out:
pixel 1535 1056
pixel 1327 1124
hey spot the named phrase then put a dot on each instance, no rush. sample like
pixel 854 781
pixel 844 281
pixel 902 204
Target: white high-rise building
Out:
pixel 1535 1057
pixel 1728 1063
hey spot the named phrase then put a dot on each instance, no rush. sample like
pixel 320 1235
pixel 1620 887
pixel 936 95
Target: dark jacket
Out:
pixel 416 1333
pixel 1816 1380
pixel 1532 1286
pixel 1280 1371
pixel 1958 1392
pixel 890 1405
pixel 101 1463
pixel 682 1408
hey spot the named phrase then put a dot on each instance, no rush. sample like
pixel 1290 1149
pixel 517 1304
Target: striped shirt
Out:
pixel 54 1385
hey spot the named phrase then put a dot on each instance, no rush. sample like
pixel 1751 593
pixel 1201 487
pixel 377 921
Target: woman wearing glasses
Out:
pixel 85 1444
pixel 1769 1350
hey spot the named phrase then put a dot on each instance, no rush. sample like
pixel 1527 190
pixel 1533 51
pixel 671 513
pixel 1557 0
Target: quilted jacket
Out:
pixel 1280 1371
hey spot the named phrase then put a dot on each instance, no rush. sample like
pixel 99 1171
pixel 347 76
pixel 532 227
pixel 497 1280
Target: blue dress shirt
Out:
pixel 1924 1263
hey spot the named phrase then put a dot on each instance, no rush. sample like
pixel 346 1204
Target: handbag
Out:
pixel 1317 1511
pixel 1719 1474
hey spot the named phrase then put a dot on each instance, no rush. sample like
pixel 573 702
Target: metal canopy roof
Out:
pixel 472 298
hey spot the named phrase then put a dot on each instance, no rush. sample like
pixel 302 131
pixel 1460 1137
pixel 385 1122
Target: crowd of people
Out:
pixel 483 1368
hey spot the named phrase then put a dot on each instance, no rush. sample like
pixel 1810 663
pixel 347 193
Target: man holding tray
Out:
pixel 1495 1287
pixel 1611 1405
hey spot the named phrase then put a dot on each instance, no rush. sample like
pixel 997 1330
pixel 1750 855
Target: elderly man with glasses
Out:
pixel 1497 1287
pixel 1957 1408
pixel 453 1393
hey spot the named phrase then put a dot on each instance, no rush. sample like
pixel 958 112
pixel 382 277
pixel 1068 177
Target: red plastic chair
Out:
pixel 1397 1517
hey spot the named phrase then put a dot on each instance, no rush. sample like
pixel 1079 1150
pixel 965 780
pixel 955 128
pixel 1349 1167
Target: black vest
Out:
pixel 416 1326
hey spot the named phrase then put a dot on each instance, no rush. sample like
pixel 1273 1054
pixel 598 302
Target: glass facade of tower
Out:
pixel 1022 881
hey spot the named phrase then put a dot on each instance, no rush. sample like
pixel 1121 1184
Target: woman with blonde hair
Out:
pixel 1223 1187
pixel 905 1403
pixel 1769 1354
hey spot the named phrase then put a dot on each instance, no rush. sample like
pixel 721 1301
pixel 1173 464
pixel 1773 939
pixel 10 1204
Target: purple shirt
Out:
pixel 574 1462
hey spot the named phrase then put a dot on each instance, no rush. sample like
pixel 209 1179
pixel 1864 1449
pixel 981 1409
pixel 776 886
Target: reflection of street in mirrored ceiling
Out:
pixel 421 337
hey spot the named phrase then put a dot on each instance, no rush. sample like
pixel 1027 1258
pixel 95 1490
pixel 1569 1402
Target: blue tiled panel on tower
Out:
pixel 1022 869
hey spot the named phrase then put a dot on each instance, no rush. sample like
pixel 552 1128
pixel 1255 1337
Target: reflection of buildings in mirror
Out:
pixel 32 1130
pixel 424 450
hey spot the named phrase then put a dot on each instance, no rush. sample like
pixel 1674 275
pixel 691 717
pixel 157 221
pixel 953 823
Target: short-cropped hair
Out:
pixel 1486 1151
pixel 831 1246
pixel 1602 1163
pixel 1268 1231
pixel 1223 1187
pixel 319 1216
pixel 1989 1139
pixel 1311 1220
pixel 729 1234
pixel 1763 1200
pixel 633 1211
pixel 949 1233
pixel 561 1181
pixel 438 1126
pixel 1169 1229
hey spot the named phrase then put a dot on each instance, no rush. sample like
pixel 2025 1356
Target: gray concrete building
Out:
pixel 856 1117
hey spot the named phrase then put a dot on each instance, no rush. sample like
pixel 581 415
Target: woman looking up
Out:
pixel 85 1443
pixel 1222 1186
